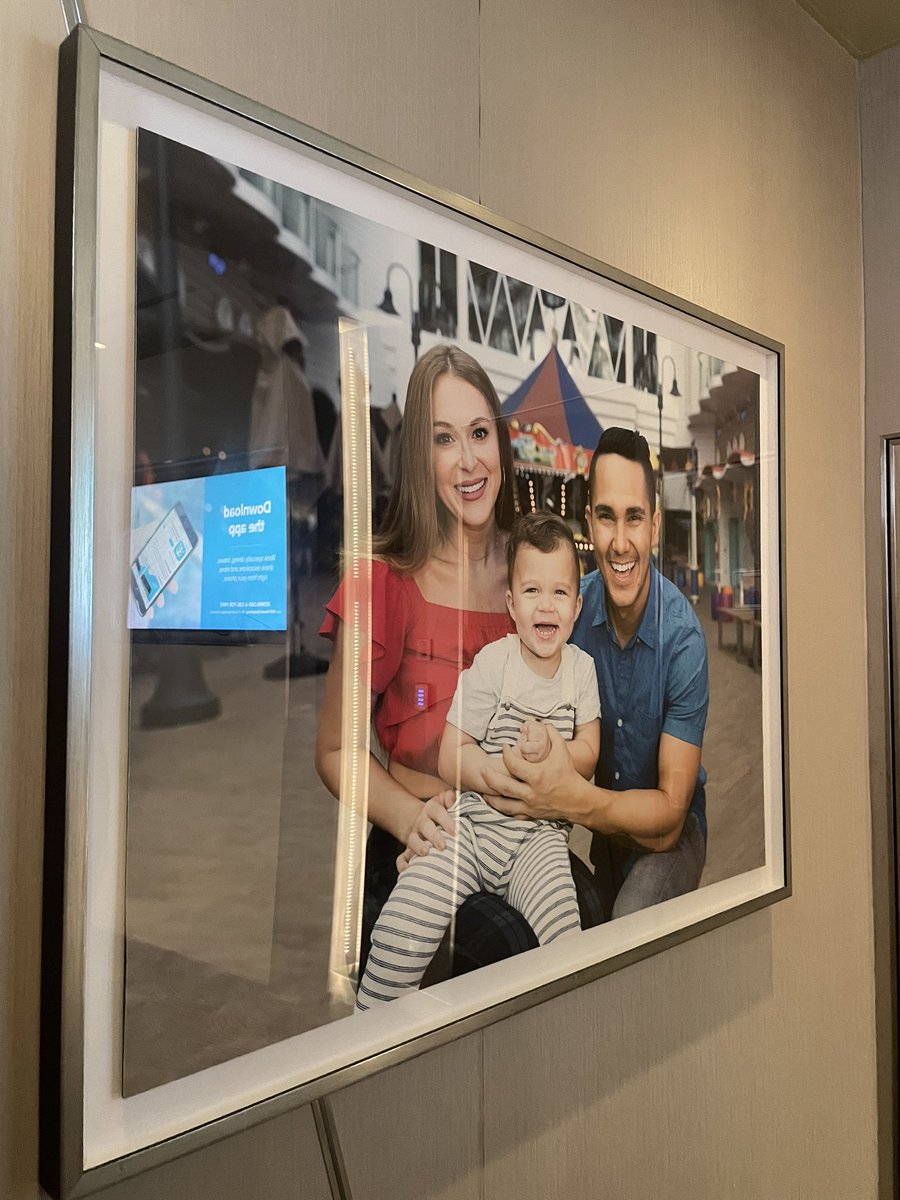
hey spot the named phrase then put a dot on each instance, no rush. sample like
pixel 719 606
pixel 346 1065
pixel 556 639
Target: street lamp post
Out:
pixel 659 401
pixel 659 483
pixel 692 484
pixel 387 304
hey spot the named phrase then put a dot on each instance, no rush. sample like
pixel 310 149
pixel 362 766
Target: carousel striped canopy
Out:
pixel 551 397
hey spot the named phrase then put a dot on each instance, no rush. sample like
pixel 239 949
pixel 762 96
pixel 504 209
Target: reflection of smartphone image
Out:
pixel 166 550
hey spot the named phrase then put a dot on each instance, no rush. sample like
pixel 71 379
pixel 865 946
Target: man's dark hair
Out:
pixel 630 444
pixel 544 531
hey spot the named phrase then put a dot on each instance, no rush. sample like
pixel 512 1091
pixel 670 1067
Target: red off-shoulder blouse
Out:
pixel 418 651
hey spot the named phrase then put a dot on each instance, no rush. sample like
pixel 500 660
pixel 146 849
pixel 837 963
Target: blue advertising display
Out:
pixel 210 553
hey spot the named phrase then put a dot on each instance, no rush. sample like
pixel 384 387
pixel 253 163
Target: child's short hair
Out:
pixel 544 531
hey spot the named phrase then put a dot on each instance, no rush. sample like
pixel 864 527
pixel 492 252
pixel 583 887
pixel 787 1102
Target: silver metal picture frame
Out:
pixel 240 303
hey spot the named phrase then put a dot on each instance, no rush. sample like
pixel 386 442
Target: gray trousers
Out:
pixel 658 877
pixel 524 862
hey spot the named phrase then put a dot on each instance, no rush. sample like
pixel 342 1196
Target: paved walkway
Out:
pixel 732 755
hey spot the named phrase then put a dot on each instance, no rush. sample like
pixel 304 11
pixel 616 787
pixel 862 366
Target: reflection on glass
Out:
pixel 357 683
pixel 230 835
pixel 286 445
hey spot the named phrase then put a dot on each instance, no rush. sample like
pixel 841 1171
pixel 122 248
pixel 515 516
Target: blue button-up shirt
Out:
pixel 657 684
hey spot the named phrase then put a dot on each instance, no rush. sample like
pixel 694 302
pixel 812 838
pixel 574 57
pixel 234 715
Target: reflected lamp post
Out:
pixel 692 477
pixel 659 401
pixel 387 304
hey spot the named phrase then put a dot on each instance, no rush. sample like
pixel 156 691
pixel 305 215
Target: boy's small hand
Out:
pixel 404 859
pixel 534 741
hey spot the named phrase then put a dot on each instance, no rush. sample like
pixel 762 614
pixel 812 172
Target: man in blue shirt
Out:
pixel 647 803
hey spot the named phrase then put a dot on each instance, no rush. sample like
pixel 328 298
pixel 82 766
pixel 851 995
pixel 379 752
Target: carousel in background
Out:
pixel 553 434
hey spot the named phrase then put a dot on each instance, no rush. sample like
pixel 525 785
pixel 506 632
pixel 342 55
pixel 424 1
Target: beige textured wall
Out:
pixel 726 171
pixel 711 148
pixel 879 103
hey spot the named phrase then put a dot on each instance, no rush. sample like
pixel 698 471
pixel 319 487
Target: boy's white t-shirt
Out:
pixel 499 674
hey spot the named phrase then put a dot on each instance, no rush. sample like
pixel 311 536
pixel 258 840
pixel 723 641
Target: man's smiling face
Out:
pixel 624 529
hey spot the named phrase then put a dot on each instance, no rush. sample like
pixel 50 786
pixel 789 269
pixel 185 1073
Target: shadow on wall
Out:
pixel 29 93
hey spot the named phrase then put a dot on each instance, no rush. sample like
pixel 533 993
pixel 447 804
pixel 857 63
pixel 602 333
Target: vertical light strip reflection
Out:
pixel 357 659
pixel 462 594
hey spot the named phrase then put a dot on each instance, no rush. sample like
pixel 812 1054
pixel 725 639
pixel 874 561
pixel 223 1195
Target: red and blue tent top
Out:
pixel 551 396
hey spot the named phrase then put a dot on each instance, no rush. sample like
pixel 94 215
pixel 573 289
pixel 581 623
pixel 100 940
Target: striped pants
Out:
pixel 525 862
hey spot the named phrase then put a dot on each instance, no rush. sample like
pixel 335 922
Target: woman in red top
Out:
pixel 438 597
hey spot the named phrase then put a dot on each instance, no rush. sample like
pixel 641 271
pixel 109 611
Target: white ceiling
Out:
pixel 862 27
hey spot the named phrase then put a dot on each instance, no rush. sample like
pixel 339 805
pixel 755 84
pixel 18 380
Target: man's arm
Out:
pixel 553 790
pixel 585 748
pixel 654 817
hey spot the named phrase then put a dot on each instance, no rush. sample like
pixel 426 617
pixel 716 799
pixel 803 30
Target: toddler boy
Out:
pixel 513 688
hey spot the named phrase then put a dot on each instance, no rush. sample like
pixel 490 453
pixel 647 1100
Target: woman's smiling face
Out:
pixel 465 452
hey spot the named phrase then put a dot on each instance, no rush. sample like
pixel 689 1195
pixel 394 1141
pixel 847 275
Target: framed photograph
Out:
pixel 381 707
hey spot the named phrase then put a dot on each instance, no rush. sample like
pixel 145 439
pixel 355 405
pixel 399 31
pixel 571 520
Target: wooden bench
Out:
pixel 744 617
